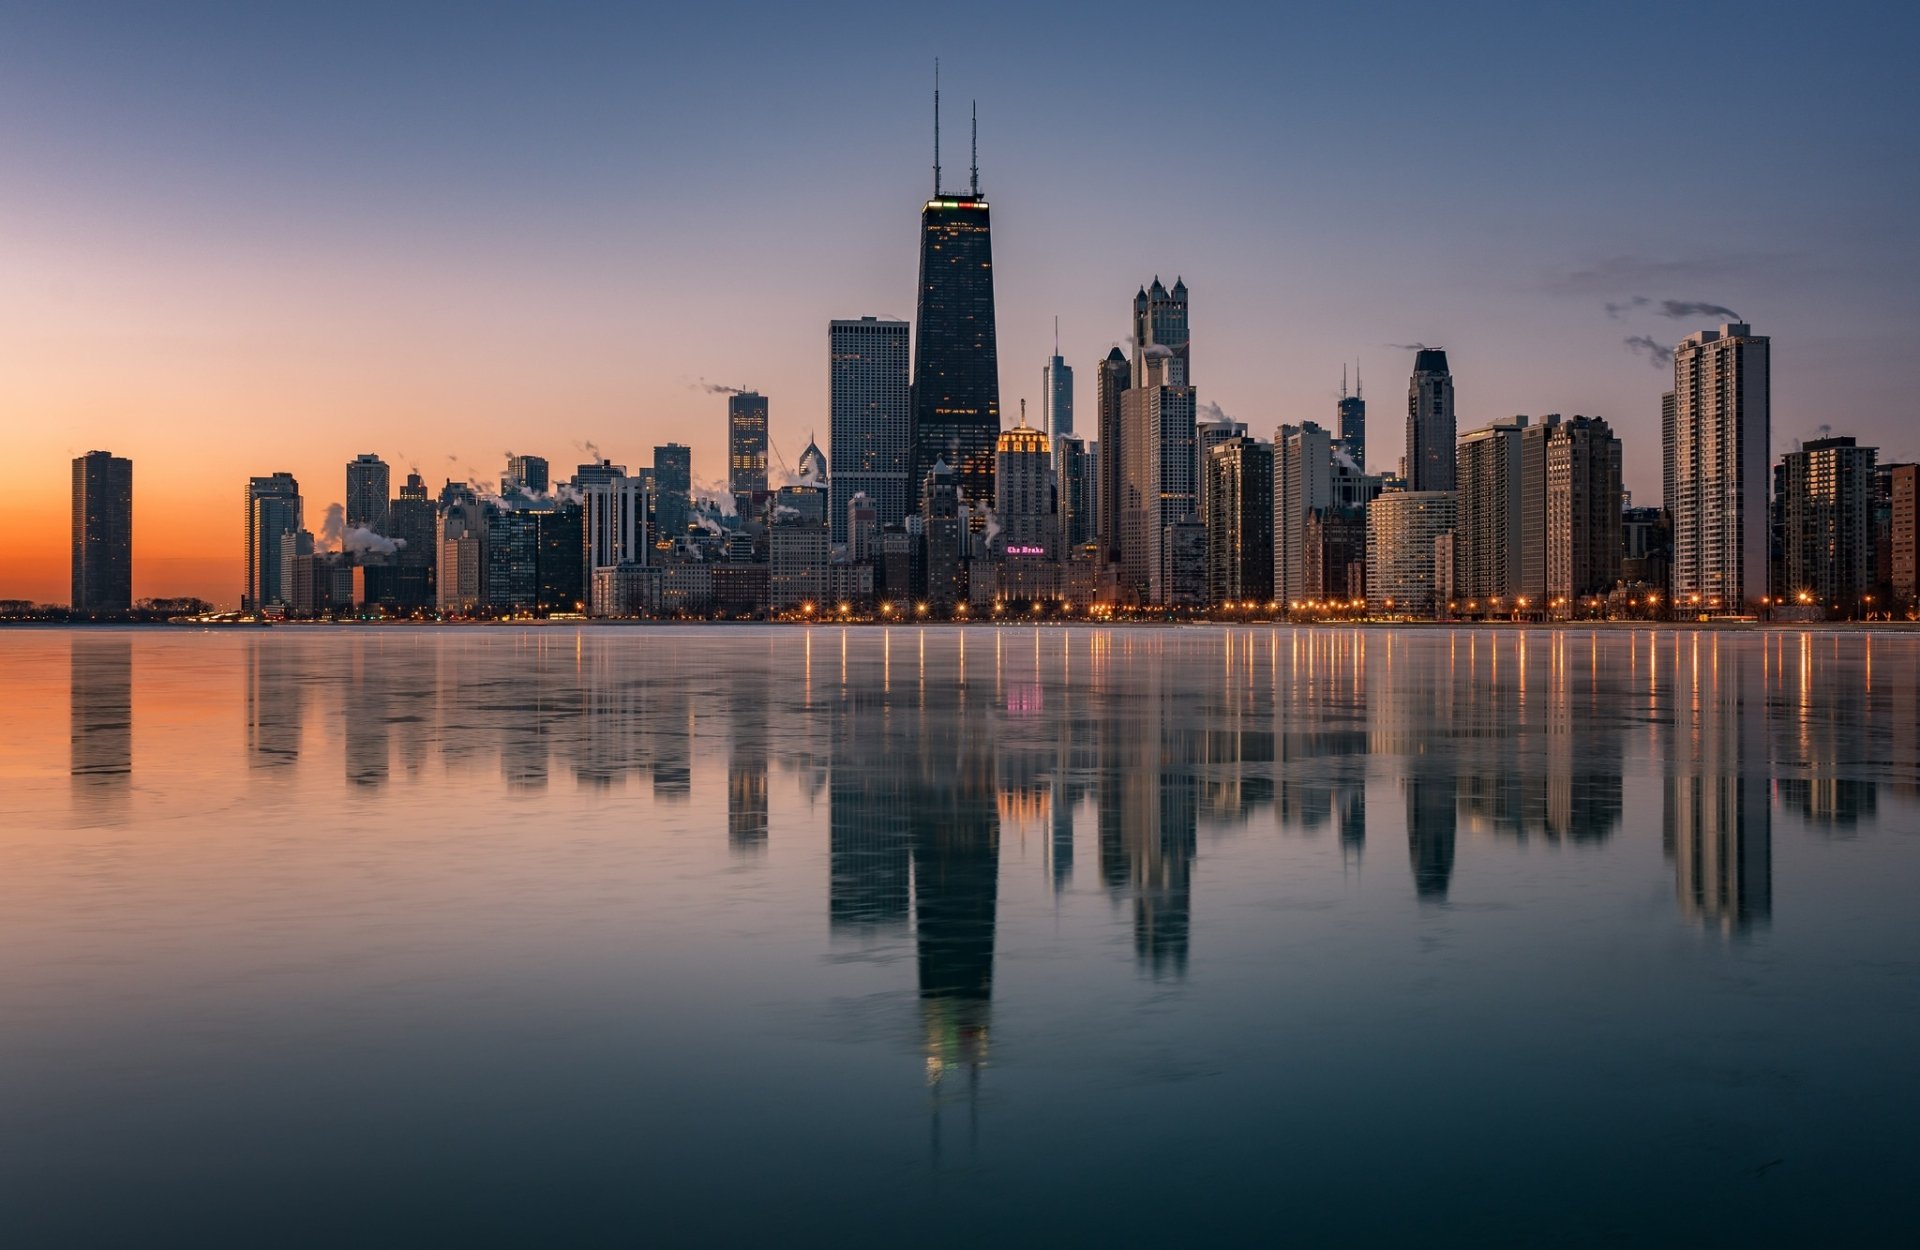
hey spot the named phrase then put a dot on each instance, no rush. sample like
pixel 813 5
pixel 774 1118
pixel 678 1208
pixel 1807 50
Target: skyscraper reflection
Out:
pixel 100 715
pixel 1719 827
pixel 275 702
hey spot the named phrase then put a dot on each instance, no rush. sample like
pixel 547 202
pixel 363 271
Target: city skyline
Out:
pixel 297 290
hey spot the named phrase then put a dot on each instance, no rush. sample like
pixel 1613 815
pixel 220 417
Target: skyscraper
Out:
pixel 102 533
pixel 273 511
pixel 1350 420
pixel 1026 502
pixel 1904 532
pixel 1157 488
pixel 412 524
pixel 1056 391
pixel 1403 531
pixel 1160 335
pixel 1115 375
pixel 525 474
pixel 1828 511
pixel 1583 512
pixel 673 488
pixel 1303 484
pixel 1159 470
pixel 1491 518
pixel 956 364
pixel 1430 423
pixel 1073 471
pixel 747 450
pixel 368 493
pixel 870 419
pixel 1240 563
pixel 1719 452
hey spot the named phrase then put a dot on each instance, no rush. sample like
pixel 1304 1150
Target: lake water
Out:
pixel 958 937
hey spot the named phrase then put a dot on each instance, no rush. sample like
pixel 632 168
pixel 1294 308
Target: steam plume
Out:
pixel 1678 309
pixel 1408 347
pixel 718 388
pixel 1658 355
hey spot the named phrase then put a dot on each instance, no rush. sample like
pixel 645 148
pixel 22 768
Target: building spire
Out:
pixel 1056 335
pixel 1343 380
pixel 976 149
pixel 1023 410
pixel 1357 392
pixel 936 127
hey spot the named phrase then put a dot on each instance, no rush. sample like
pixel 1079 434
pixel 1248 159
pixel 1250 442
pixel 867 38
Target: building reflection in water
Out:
pixel 1718 827
pixel 100 715
pixel 932 748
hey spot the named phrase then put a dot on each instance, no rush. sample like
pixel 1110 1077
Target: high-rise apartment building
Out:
pixel 1827 510
pixel 1429 463
pixel 870 411
pixel 1240 561
pixel 1336 540
pixel 1584 496
pixel 1904 533
pixel 1350 420
pixel 1158 486
pixel 1111 381
pixel 1404 528
pixel 1491 519
pixel 1303 483
pixel 273 511
pixel 1719 452
pixel 102 533
pixel 1533 507
pixel 461 588
pixel 369 491
pixel 747 450
pixel 1207 435
pixel 956 364
pixel 614 525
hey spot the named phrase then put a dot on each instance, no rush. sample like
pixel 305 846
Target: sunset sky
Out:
pixel 239 239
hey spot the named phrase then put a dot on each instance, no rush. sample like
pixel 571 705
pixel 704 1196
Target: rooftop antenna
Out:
pixel 1343 380
pixel 936 127
pixel 1056 336
pixel 1356 377
pixel 976 149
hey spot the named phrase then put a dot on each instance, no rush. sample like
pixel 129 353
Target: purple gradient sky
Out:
pixel 244 238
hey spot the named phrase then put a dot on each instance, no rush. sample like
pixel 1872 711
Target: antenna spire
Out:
pixel 1356 378
pixel 1343 380
pixel 1056 336
pixel 976 149
pixel 936 127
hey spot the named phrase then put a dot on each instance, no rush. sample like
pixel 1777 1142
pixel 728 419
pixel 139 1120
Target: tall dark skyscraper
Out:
pixel 273 512
pixel 368 492
pixel 747 449
pixel 956 365
pixel 871 414
pixel 673 487
pixel 1430 423
pixel 102 533
pixel 1350 424
pixel 1110 384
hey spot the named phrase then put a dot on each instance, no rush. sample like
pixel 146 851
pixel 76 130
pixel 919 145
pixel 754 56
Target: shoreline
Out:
pixel 1715 626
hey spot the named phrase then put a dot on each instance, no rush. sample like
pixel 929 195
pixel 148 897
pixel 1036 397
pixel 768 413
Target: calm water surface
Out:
pixel 774 936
